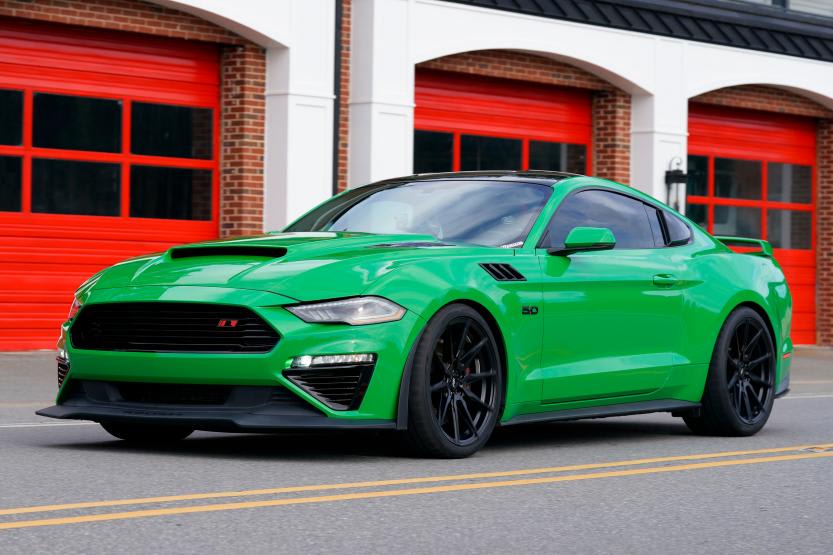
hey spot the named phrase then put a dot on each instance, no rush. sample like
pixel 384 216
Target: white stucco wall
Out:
pixel 391 36
pixel 661 74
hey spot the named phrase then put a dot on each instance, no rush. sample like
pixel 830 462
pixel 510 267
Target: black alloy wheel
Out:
pixel 740 387
pixel 456 384
pixel 750 372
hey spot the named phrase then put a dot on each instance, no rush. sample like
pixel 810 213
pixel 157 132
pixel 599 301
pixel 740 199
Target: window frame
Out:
pixel 763 204
pixel 125 158
pixel 525 138
pixel 662 213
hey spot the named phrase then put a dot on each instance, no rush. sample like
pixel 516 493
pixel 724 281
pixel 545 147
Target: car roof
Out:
pixel 519 176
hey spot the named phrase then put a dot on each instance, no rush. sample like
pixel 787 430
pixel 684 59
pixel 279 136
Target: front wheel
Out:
pixel 740 387
pixel 456 385
pixel 147 434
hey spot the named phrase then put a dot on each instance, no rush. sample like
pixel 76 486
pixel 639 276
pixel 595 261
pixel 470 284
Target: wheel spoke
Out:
pixel 751 393
pixel 455 419
pixel 477 377
pixel 757 380
pixel 747 405
pixel 733 381
pixel 477 400
pixel 734 361
pixel 439 386
pixel 469 419
pixel 439 360
pixel 462 340
pixel 760 359
pixel 471 353
pixel 749 344
pixel 444 408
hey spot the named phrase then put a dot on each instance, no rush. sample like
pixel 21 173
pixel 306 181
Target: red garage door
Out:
pixel 753 174
pixel 108 149
pixel 464 122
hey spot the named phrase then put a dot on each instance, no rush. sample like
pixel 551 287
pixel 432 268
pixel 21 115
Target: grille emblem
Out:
pixel 227 323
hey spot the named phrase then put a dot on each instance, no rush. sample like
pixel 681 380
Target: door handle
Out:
pixel 665 280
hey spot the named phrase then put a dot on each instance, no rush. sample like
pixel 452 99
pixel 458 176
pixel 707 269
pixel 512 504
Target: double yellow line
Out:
pixel 473 481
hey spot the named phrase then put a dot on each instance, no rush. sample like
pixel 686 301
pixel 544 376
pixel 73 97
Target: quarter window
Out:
pixel 624 216
pixel 678 232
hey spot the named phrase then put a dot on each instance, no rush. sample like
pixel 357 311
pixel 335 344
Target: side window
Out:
pixel 624 216
pixel 678 232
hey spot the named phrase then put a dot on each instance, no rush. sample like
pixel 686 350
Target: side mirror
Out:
pixel 582 239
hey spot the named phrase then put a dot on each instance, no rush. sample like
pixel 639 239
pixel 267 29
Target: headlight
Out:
pixel 356 311
pixel 73 310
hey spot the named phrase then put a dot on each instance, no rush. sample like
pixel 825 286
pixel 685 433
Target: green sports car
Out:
pixel 440 306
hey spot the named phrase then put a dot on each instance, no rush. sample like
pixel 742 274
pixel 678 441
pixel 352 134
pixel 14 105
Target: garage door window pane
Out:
pixel 67 187
pixel 737 178
pixel 170 193
pixel 789 229
pixel 177 131
pixel 698 176
pixel 10 184
pixel 77 123
pixel 737 221
pixel 433 151
pixel 698 213
pixel 544 155
pixel 489 153
pixel 11 117
pixel 789 182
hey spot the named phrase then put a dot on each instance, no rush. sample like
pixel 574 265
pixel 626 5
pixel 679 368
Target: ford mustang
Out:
pixel 439 306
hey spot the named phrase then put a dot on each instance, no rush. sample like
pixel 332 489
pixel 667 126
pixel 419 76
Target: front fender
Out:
pixel 427 287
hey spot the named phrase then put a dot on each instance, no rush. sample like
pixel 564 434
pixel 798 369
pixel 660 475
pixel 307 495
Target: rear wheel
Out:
pixel 147 434
pixel 740 388
pixel 456 385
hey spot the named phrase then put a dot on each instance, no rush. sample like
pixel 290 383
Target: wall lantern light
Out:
pixel 675 182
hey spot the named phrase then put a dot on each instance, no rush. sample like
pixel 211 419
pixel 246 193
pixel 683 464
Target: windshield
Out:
pixel 489 213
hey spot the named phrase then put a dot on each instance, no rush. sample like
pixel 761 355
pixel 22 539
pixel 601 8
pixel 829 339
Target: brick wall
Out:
pixel 611 107
pixel 242 100
pixel 771 99
pixel 824 235
pixel 242 148
pixel 344 94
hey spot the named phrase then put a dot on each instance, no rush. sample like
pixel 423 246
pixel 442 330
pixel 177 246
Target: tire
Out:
pixel 456 388
pixel 147 434
pixel 740 387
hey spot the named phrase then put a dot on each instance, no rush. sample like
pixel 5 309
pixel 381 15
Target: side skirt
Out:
pixel 623 409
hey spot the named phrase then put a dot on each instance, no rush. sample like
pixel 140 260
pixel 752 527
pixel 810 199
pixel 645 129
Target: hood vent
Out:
pixel 503 272
pixel 231 250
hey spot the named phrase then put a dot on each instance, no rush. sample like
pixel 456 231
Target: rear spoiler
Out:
pixel 765 249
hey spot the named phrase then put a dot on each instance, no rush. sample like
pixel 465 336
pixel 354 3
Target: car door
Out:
pixel 612 318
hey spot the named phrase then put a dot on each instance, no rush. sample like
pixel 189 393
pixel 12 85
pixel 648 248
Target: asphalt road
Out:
pixel 637 484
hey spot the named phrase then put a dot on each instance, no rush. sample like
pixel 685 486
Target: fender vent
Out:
pixel 503 272
pixel 251 251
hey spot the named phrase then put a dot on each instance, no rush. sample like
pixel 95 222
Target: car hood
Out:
pixel 303 266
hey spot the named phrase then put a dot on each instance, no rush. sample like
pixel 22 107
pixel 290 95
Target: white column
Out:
pixel 659 122
pixel 381 92
pixel 299 115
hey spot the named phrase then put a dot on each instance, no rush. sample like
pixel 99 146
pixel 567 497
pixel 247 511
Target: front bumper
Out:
pixel 248 409
pixel 391 342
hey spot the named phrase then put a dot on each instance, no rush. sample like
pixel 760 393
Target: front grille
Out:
pixel 338 387
pixel 173 394
pixel 172 327
pixel 63 370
